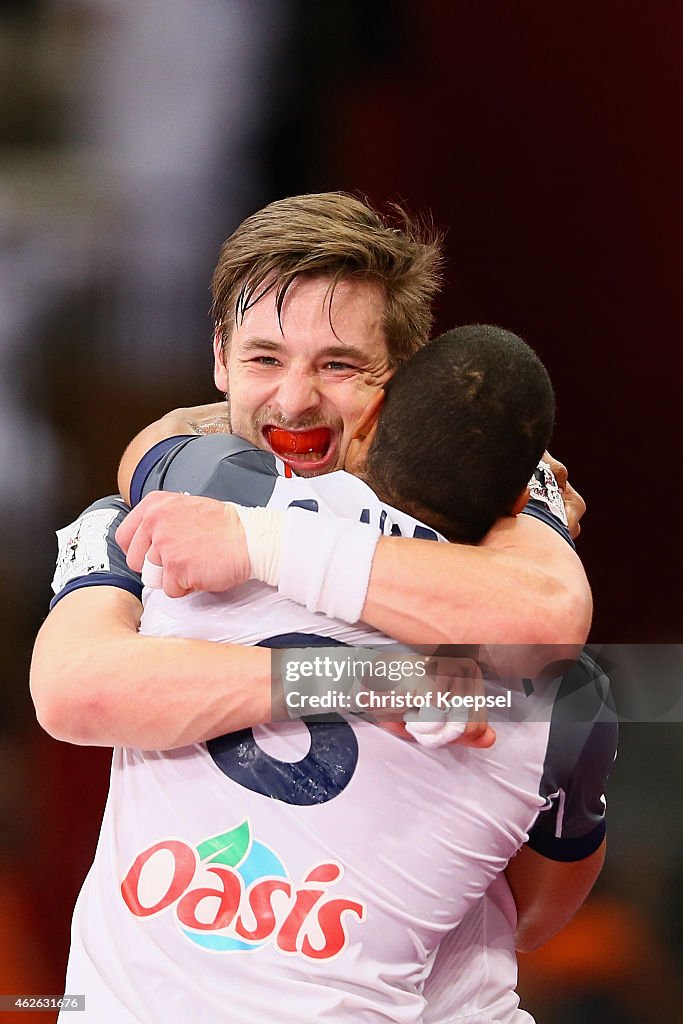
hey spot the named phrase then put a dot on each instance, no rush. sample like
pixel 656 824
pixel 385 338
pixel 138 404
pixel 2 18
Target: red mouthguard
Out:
pixel 299 442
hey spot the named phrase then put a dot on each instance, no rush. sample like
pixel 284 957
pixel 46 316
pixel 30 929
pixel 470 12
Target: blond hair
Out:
pixel 335 235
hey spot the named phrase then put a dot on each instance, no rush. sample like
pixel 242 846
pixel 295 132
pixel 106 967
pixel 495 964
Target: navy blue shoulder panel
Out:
pixel 147 463
pixel 88 555
pixel 581 751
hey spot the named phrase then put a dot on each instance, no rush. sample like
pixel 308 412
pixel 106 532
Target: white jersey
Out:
pixel 297 872
pixel 474 976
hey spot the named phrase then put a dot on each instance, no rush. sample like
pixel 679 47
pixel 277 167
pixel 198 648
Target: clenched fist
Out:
pixel 199 542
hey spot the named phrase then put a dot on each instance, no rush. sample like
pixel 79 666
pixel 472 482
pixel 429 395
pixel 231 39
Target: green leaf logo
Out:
pixel 228 848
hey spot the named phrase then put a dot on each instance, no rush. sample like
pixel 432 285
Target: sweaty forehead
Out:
pixel 345 323
pixel 251 344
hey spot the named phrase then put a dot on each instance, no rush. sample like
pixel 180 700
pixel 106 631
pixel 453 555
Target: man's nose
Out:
pixel 297 393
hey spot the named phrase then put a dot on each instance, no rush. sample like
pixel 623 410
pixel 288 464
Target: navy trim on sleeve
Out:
pixel 100 579
pixel 567 849
pixel 537 510
pixel 149 461
pixel 220 466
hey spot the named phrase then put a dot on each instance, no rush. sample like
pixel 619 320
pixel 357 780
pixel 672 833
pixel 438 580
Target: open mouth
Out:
pixel 299 446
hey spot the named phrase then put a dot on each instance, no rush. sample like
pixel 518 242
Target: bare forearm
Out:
pixel 548 893
pixel 523 585
pixel 96 681
pixel 196 419
pixel 534 593
pixel 192 419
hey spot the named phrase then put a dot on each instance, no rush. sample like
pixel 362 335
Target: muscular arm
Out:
pixel 522 585
pixel 197 419
pixel 95 680
pixel 548 893
pixel 553 873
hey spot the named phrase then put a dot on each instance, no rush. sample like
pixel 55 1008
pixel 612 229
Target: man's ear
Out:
pixel 520 503
pixel 363 433
pixel 220 370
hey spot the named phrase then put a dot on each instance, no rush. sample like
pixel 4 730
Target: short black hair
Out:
pixel 464 423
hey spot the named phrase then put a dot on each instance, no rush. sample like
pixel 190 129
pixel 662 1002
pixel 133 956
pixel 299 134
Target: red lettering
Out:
pixel 228 901
pixel 330 920
pixel 306 899
pixel 292 936
pixel 260 902
pixel 183 873
pixel 323 873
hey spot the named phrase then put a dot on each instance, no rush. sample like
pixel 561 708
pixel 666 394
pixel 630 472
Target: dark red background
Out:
pixel 546 140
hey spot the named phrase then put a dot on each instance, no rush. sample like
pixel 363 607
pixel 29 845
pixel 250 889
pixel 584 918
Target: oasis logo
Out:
pixel 232 893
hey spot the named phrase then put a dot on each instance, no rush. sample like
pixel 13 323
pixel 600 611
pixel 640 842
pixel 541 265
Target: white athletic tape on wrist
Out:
pixel 319 561
pixel 264 530
pixel 152 574
pixel 432 728
pixel 326 563
pixel 435 734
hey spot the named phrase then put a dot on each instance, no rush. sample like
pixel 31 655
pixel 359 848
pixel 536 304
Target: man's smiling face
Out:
pixel 297 388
